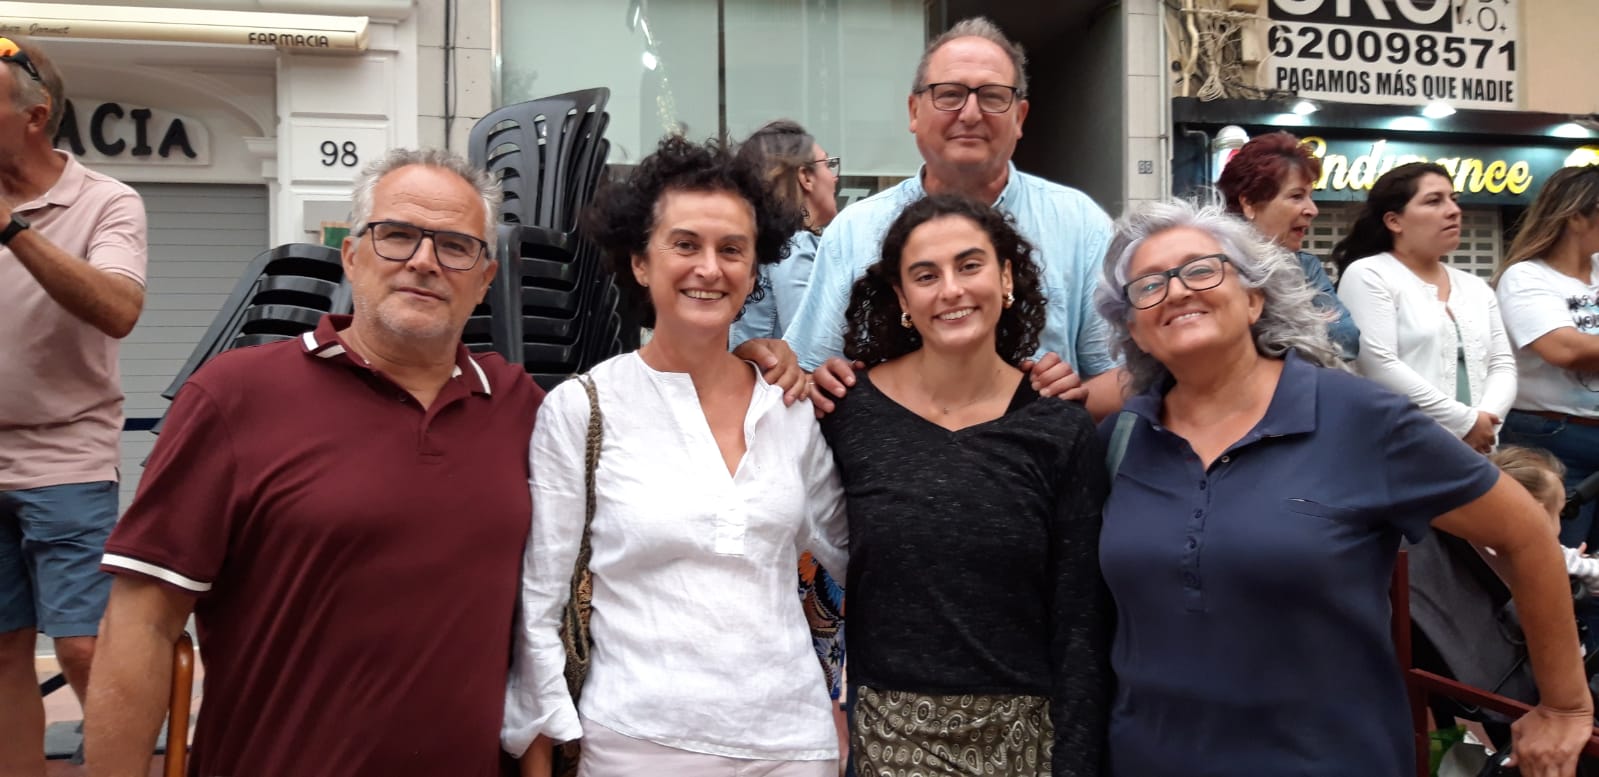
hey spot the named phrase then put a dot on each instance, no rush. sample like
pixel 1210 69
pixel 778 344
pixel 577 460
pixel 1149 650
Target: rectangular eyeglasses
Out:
pixel 1198 274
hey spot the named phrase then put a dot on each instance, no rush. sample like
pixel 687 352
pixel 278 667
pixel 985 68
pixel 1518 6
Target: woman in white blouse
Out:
pixel 1427 330
pixel 1549 287
pixel 708 488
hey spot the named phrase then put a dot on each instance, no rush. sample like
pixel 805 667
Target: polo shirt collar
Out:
pixel 1292 409
pixel 66 188
pixel 324 342
pixel 915 189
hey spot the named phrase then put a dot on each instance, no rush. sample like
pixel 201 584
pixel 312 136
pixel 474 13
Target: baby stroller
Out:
pixel 1464 627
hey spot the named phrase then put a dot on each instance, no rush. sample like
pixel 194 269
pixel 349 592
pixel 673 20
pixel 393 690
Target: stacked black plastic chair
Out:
pixel 552 308
pixel 282 293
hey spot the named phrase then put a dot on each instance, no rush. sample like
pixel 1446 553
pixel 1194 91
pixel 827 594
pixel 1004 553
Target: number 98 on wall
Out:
pixel 336 154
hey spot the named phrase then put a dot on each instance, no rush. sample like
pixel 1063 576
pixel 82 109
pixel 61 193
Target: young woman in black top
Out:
pixel 978 621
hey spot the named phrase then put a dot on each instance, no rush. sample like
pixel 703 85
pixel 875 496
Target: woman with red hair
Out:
pixel 1268 182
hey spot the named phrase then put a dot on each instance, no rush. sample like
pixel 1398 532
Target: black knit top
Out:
pixel 974 557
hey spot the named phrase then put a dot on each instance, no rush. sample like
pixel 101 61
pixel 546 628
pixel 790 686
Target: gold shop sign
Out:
pixel 1353 166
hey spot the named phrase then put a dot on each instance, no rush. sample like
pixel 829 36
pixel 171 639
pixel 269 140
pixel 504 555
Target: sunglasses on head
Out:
pixel 12 53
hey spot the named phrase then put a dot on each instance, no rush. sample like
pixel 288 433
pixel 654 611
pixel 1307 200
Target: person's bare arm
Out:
pixel 1548 739
pixel 105 300
pixel 1053 377
pixel 1104 394
pixel 132 674
pixel 536 761
pixel 1568 349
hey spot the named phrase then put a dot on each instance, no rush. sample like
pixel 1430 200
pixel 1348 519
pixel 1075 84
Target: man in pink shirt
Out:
pixel 72 272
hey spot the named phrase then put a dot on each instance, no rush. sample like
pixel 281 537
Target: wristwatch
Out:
pixel 17 224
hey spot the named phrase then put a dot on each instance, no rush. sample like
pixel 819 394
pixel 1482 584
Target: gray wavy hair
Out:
pixel 487 188
pixel 1289 320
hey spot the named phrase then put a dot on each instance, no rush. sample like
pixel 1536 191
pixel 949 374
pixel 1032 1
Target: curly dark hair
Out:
pixel 874 334
pixel 622 215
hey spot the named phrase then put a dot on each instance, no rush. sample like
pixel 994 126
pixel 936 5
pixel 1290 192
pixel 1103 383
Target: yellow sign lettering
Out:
pixel 1335 172
pixel 1520 178
pixel 1363 169
pixel 1469 177
pixel 1495 176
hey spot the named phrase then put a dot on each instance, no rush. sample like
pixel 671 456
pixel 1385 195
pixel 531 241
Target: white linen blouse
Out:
pixel 700 642
pixel 1409 345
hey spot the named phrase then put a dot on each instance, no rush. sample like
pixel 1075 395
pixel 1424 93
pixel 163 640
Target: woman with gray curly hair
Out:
pixel 1258 498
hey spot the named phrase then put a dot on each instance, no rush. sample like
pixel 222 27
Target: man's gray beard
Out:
pixel 382 320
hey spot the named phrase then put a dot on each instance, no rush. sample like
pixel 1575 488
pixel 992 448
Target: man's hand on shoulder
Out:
pixel 1053 377
pixel 778 365
pixel 830 381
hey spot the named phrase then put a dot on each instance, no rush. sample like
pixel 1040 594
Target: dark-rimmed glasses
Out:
pixel 1198 274
pixel 834 164
pixel 397 241
pixel 11 52
pixel 991 98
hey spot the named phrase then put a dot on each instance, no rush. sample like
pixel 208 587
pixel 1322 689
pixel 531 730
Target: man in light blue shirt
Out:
pixel 967 106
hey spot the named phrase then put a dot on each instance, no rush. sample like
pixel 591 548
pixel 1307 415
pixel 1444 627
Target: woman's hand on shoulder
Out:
pixel 829 382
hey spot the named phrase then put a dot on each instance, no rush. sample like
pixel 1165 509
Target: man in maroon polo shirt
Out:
pixel 344 514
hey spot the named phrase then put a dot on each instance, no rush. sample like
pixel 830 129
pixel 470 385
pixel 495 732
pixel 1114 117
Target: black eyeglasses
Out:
pixel 833 163
pixel 397 241
pixel 1198 274
pixel 991 98
pixel 11 52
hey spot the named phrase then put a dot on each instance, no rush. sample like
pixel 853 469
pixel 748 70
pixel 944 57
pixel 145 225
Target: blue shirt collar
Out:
pixel 1292 409
pixel 915 190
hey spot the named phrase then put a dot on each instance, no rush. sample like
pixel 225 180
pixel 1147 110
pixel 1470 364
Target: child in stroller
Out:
pixel 1463 622
pixel 1543 476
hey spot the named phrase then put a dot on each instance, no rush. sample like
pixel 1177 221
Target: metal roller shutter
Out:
pixel 201 237
pixel 1481 236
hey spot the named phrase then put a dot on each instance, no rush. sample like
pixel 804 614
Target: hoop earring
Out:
pixel 1010 299
pixel 905 320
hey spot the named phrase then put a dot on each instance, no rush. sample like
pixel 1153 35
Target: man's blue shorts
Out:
pixel 51 542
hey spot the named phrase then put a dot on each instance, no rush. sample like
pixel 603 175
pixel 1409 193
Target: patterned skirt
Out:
pixel 902 734
pixel 823 601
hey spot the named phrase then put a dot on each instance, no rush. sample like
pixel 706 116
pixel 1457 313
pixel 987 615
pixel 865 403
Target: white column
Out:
pixel 336 114
pixel 1147 149
pixel 471 85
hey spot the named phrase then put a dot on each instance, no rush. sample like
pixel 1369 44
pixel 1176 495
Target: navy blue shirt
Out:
pixel 1253 627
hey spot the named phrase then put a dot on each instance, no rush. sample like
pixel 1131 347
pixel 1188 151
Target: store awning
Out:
pixel 300 32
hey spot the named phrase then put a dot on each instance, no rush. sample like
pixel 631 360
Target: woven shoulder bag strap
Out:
pixel 591 462
pixel 575 620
